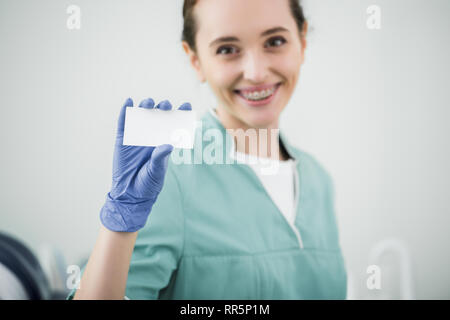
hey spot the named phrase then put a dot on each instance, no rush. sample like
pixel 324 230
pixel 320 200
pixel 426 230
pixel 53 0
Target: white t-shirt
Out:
pixel 278 183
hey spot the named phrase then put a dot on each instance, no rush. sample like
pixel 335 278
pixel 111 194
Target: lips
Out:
pixel 249 90
pixel 258 103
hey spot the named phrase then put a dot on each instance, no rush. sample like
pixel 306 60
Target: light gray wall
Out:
pixel 371 105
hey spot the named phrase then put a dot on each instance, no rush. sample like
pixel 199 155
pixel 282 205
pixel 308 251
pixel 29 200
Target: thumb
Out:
pixel 158 163
pixel 121 121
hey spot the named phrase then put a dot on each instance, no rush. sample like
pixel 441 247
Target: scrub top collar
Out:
pixel 212 116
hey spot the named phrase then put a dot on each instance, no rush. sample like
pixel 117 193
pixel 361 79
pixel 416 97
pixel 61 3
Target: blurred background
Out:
pixel 372 105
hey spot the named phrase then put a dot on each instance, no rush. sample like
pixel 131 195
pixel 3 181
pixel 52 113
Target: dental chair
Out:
pixel 21 275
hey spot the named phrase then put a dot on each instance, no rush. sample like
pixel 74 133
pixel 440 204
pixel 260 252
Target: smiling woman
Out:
pixel 228 230
pixel 245 59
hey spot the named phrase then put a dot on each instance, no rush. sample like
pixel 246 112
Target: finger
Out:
pixel 185 106
pixel 159 160
pixel 164 105
pixel 148 103
pixel 121 121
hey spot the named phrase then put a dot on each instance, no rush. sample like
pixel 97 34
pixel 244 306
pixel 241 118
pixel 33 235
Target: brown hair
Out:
pixel 190 27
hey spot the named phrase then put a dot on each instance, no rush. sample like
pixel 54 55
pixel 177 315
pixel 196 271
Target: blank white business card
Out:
pixel 153 127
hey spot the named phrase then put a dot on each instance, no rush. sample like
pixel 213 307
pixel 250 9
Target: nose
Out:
pixel 255 67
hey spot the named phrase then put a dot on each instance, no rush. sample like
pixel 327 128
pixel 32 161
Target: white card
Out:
pixel 153 127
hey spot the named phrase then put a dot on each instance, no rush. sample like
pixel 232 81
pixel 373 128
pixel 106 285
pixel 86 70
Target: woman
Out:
pixel 219 230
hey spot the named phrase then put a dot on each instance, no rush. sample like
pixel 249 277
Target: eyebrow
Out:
pixel 235 39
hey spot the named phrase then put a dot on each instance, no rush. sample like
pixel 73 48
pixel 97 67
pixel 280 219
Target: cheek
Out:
pixel 290 59
pixel 289 65
pixel 211 70
pixel 221 77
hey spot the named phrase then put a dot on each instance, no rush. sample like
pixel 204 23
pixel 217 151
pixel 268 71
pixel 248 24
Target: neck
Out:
pixel 262 142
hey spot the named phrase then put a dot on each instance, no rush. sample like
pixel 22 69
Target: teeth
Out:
pixel 259 95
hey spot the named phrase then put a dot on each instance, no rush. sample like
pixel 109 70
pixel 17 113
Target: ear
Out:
pixel 194 60
pixel 303 39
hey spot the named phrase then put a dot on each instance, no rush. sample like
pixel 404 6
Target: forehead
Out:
pixel 216 18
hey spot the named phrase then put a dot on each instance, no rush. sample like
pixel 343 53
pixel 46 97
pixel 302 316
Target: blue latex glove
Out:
pixel 138 177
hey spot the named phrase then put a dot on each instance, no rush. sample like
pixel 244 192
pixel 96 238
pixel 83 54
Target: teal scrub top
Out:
pixel 215 233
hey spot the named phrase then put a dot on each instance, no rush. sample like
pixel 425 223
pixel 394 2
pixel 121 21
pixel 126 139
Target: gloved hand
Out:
pixel 138 177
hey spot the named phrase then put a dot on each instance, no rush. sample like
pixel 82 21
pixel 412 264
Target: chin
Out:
pixel 262 119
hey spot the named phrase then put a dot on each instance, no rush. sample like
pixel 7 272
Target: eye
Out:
pixel 276 41
pixel 225 49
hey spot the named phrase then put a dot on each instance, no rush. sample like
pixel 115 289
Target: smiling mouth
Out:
pixel 258 96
